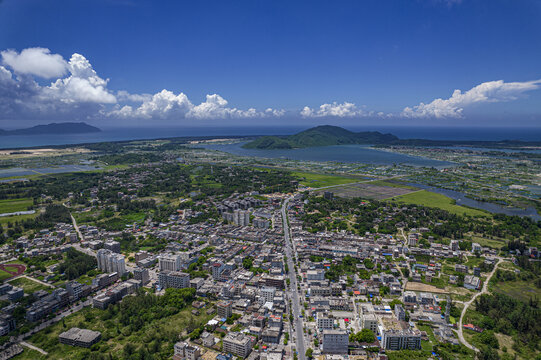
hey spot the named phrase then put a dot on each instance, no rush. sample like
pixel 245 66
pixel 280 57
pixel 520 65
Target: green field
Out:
pixel 430 199
pixel 29 286
pixel 14 205
pixel 4 275
pixel 392 184
pixel 321 180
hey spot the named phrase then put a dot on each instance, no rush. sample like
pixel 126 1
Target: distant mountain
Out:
pixel 54 128
pixel 324 135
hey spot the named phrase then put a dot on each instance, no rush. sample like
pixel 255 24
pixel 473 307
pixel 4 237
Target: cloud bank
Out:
pixel 82 94
pixel 487 92
pixel 37 84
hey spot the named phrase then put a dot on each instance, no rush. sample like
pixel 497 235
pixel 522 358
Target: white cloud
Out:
pixel 83 85
pixel 5 74
pixel 162 105
pixel 345 109
pixel 167 105
pixel 488 92
pixel 35 61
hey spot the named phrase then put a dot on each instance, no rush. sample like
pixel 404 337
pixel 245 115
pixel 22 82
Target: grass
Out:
pixel 14 205
pixel 29 354
pixel 4 275
pixel 430 199
pixel 392 184
pixel 321 180
pixel 521 290
pixel 491 243
pixel 15 218
pixel 29 286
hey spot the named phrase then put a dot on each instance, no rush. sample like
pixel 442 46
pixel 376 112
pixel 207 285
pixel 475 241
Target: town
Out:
pixel 218 273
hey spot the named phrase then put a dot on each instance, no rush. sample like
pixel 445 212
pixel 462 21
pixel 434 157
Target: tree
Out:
pixel 308 353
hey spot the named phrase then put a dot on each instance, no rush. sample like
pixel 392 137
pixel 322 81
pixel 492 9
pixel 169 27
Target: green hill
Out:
pixel 324 135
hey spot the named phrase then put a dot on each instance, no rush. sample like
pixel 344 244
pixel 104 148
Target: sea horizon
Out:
pixel 112 134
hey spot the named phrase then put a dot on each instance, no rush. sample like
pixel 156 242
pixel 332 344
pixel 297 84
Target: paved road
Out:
pixel 43 325
pixel 300 346
pixel 24 343
pixel 468 303
pixel 34 279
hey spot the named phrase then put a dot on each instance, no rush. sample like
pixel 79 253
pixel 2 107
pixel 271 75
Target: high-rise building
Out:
pixel 142 275
pixel 109 262
pixel 169 262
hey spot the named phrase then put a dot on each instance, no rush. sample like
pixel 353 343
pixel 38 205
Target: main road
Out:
pixel 295 303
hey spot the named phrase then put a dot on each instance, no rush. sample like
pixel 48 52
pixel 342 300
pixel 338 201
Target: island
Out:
pixel 54 128
pixel 324 135
pixel 327 135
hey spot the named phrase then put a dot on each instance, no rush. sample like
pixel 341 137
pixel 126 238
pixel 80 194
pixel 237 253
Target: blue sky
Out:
pixel 369 61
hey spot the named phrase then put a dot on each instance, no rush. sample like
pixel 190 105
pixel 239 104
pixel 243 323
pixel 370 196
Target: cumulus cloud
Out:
pixel 35 61
pixel 487 92
pixel 83 85
pixel 345 109
pixel 167 105
pixel 83 94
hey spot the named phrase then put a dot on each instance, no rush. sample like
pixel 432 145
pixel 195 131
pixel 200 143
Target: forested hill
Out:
pixel 54 128
pixel 327 135
pixel 324 135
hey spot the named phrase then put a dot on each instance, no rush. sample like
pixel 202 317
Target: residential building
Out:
pixel 335 342
pixel 237 344
pixel 173 279
pixel 169 262
pixel 110 262
pixel 224 309
pixel 142 275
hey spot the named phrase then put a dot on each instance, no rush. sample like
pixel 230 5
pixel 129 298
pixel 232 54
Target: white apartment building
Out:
pixel 173 279
pixel 169 262
pixel 266 294
pixel 109 262
pixel 237 344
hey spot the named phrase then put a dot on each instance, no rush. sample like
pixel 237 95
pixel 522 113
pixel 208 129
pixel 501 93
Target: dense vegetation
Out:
pixel 76 264
pixel 509 316
pixel 359 215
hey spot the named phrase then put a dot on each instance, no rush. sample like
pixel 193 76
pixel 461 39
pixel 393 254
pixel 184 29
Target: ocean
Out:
pixel 404 132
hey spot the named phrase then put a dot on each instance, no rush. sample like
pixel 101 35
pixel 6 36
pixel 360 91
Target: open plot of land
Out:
pixel 367 191
pixel 430 199
pixel 29 286
pixel 416 286
pixel 321 180
pixel 520 290
pixel 14 205
pixel 28 153
pixel 115 335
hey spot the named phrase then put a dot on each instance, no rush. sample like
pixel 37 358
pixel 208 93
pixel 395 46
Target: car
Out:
pixel 300 316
